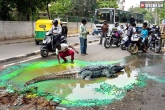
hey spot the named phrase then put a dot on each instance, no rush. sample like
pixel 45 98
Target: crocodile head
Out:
pixel 116 68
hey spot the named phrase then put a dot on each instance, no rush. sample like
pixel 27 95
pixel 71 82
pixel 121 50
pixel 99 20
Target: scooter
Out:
pixel 48 45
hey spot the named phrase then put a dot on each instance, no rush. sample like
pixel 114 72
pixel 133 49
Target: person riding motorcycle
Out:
pixel 131 30
pixel 157 30
pixel 144 34
pixel 116 29
pixel 56 31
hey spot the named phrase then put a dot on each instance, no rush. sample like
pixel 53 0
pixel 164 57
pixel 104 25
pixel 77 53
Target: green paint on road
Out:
pixel 96 92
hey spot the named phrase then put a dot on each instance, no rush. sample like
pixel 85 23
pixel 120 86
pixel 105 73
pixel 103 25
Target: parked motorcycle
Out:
pixel 112 39
pixel 48 45
pixel 136 44
pixel 154 42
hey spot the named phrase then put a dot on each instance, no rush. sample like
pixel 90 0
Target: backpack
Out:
pixel 130 31
pixel 117 34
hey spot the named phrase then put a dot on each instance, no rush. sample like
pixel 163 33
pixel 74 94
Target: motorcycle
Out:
pixel 112 39
pixel 124 42
pixel 136 44
pixel 154 42
pixel 48 45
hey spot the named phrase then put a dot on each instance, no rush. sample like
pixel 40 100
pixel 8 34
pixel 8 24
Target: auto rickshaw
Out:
pixel 42 26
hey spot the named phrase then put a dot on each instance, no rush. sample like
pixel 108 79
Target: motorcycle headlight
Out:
pixel 44 41
pixel 47 33
pixel 156 35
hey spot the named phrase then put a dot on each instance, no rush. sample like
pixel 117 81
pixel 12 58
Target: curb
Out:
pixel 35 53
pixel 32 40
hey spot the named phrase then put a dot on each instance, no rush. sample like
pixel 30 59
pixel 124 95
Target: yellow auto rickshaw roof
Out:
pixel 44 21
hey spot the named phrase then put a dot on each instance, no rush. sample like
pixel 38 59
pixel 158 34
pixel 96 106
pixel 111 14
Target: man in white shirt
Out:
pixel 56 30
pixel 62 50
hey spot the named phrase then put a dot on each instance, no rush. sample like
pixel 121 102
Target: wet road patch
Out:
pixel 77 92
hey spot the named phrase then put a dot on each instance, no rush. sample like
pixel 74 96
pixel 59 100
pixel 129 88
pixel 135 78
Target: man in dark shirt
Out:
pixel 104 29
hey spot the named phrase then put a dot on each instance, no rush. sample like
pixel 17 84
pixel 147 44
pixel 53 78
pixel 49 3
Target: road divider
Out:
pixel 34 53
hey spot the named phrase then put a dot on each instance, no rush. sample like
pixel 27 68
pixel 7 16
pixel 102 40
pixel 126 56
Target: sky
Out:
pixel 129 3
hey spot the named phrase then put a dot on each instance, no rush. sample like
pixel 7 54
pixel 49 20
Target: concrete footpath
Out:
pixel 31 52
pixel 31 39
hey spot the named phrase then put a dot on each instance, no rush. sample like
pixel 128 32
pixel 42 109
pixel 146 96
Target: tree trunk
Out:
pixel 47 8
pixel 28 17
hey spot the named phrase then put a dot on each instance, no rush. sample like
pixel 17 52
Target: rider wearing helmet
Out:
pixel 56 31
pixel 157 30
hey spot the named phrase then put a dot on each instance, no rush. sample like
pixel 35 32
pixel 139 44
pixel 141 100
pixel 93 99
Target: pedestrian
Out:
pixel 63 50
pixel 83 38
pixel 104 29
pixel 163 34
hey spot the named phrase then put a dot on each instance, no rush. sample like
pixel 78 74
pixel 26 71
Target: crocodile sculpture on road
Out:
pixel 86 73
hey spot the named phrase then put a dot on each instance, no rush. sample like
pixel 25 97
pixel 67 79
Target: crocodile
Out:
pixel 87 73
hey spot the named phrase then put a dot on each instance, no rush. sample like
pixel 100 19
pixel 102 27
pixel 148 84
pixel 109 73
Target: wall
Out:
pixel 25 29
pixel 16 29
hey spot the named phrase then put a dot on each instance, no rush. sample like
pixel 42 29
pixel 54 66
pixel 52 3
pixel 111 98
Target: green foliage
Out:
pixel 6 7
pixel 107 3
pixel 60 7
pixel 147 13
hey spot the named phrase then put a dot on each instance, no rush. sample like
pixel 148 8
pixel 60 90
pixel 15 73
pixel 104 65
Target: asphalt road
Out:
pixel 11 50
pixel 150 97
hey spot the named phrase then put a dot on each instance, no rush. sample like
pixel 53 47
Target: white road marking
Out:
pixel 4 66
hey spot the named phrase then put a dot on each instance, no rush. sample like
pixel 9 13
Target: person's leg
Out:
pixel 63 55
pixel 101 38
pixel 71 53
pixel 85 46
pixel 162 42
pixel 81 45
pixel 144 44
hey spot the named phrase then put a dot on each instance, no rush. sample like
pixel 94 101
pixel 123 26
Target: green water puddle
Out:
pixel 75 92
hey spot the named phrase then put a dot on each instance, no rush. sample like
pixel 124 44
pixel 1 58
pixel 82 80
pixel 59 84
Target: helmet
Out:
pixel 55 22
pixel 157 27
pixel 154 25
pixel 116 24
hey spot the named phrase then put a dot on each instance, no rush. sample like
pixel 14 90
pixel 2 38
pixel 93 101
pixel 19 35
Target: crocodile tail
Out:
pixel 53 76
pixel 41 78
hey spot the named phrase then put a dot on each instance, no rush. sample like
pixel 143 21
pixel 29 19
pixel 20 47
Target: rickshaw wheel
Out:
pixel 37 42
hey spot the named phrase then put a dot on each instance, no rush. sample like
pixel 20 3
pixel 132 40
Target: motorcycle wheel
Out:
pixel 157 47
pixel 107 43
pixel 44 53
pixel 133 48
pixel 118 43
pixel 123 47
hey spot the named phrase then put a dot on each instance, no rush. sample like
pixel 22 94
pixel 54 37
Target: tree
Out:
pixel 6 6
pixel 147 13
pixel 60 7
pixel 107 3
